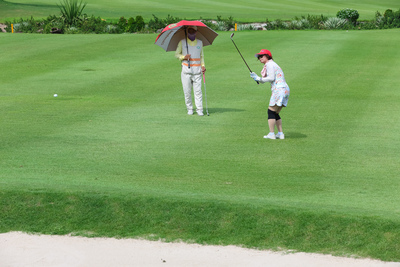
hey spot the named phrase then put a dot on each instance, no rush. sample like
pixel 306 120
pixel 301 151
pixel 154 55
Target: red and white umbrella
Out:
pixel 170 36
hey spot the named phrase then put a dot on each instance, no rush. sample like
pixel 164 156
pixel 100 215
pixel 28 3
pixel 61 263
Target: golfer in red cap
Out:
pixel 280 91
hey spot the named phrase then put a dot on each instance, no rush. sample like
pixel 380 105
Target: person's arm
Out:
pixel 202 58
pixel 178 52
pixel 270 74
pixel 203 65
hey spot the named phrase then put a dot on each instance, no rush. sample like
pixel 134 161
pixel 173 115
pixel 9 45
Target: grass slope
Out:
pixel 116 155
pixel 249 11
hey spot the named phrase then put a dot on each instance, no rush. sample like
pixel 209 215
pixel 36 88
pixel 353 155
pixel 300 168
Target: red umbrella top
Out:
pixel 170 36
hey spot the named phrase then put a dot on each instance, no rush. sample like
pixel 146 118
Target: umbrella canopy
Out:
pixel 170 36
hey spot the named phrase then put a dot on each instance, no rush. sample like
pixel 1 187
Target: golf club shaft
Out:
pixel 241 56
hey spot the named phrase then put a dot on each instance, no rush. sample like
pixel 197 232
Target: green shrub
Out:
pixel 388 20
pixel 349 14
pixel 226 24
pixel 171 19
pixel 212 25
pixel 316 22
pixel 299 24
pixel 110 28
pixel 131 25
pixel 335 23
pixel 71 11
pixel 393 18
pixel 388 13
pixel 244 27
pixel 134 25
pixel 51 23
pixel 71 30
pixel 155 23
pixel 378 18
pixel 26 26
pixel 140 23
pixel 221 26
pixel 368 25
pixel 276 25
pixel 85 24
pixel 92 25
pixel 309 22
pixel 122 24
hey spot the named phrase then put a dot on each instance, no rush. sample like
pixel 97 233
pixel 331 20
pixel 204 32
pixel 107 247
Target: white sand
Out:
pixel 20 249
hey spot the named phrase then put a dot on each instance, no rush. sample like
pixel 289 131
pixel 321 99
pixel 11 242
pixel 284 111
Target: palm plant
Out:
pixel 71 11
pixel 334 23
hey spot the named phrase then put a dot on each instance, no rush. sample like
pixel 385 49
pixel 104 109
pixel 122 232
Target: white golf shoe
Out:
pixel 270 136
pixel 200 113
pixel 190 112
pixel 280 136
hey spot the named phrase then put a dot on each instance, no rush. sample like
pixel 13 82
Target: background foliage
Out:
pixel 346 20
pixel 349 14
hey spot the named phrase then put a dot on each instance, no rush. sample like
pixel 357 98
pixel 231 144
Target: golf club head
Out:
pixel 232 34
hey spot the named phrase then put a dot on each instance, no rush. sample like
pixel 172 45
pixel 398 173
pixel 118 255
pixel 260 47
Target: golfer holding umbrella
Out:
pixel 190 52
pixel 280 91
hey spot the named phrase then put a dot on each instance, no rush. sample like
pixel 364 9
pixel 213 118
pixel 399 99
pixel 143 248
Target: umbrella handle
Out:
pixel 187 47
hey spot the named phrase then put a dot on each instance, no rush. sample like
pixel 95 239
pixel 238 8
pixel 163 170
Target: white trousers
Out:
pixel 190 81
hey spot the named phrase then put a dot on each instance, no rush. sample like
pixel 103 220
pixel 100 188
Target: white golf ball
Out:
pixel 55 95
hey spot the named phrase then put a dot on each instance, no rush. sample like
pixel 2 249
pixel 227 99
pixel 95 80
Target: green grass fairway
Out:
pixel 243 11
pixel 116 155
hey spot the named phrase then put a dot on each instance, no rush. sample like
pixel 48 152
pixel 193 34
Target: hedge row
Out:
pixel 345 19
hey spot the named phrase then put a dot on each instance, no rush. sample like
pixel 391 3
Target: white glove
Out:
pixel 255 77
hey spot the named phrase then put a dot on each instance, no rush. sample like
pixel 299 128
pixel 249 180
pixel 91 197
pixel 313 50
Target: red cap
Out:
pixel 263 52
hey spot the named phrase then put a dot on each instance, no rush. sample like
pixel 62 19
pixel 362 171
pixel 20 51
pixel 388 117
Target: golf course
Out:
pixel 114 153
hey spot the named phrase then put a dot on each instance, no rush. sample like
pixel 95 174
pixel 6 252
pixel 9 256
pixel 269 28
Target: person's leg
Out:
pixel 271 124
pixel 280 134
pixel 187 90
pixel 272 113
pixel 278 118
pixel 198 95
pixel 279 125
pixel 278 100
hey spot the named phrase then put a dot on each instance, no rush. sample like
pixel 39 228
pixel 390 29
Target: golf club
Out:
pixel 205 93
pixel 241 55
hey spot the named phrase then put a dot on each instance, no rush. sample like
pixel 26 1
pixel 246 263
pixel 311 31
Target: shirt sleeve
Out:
pixel 202 58
pixel 270 74
pixel 178 52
